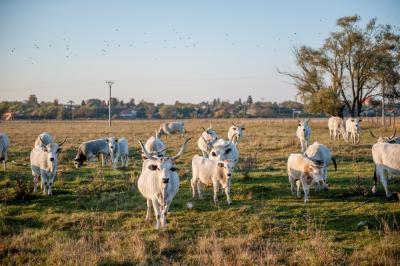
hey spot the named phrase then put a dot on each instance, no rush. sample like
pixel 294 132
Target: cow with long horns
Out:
pixel 44 164
pixel 158 183
pixel 392 139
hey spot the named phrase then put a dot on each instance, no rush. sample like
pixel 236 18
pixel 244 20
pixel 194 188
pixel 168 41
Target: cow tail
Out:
pixel 334 163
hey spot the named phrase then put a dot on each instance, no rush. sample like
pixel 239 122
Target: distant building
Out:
pixel 128 114
pixel 8 116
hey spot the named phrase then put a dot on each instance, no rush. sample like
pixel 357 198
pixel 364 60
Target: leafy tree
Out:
pixel 249 100
pixel 353 64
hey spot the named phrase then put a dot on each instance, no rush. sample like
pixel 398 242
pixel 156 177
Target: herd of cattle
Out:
pixel 159 181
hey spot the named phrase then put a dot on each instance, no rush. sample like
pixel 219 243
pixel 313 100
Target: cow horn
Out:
pixel 41 140
pixel 62 142
pixel 394 134
pixel 181 150
pixel 160 151
pixel 210 126
pixel 148 155
pixel 372 134
pixel 334 163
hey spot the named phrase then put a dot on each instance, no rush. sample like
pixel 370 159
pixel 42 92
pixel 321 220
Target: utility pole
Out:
pixel 110 83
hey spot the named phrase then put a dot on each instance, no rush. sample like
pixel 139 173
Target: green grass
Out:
pixel 96 215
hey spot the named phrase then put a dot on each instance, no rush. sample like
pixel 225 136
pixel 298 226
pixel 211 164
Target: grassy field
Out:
pixel 96 215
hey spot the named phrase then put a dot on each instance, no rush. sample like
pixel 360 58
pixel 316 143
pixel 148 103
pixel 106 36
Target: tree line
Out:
pixel 98 109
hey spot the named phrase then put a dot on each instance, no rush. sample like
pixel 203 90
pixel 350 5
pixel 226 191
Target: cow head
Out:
pixel 227 167
pixel 237 131
pixel 210 134
pixel 303 125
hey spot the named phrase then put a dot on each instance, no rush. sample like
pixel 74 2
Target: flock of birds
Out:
pixel 178 40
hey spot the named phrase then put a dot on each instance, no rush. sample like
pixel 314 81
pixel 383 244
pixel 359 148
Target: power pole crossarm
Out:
pixel 110 83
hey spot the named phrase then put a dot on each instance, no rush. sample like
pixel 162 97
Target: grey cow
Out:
pixel 91 149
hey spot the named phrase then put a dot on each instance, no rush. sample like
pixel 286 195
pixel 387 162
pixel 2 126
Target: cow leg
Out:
pixel 330 134
pixel 306 189
pixel 298 188
pixel 199 189
pixel 228 194
pixel 164 215
pixel 4 165
pixel 148 213
pixel 126 161
pixel 157 212
pixel 193 182
pixel 216 188
pixel 384 181
pixel 35 182
pixel 291 181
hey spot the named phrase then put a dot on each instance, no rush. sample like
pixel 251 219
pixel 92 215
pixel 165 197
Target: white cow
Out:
pixel 303 132
pixel 217 173
pixel 224 150
pixel 44 164
pixel 321 156
pixel 4 144
pixel 91 149
pixel 170 128
pixel 353 129
pixel 392 139
pixel 158 183
pixel 235 133
pixel 304 172
pixel 205 142
pixel 43 139
pixel 386 157
pixel 118 148
pixel 336 128
pixel 154 146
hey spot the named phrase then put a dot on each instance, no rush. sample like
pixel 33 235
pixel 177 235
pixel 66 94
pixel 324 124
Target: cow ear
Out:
pixel 152 167
pixel 220 164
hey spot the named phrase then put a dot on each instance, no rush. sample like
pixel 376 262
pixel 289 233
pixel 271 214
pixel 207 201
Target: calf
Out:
pixel 118 148
pixel 44 164
pixel 206 140
pixel 235 133
pixel 353 129
pixel 302 171
pixel 303 132
pixel 217 173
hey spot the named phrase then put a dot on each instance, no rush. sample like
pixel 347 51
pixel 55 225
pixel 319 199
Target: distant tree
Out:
pixel 32 99
pixel 353 64
pixel 55 102
pixel 83 103
pixel 249 100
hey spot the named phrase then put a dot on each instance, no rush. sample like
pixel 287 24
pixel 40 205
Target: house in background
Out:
pixel 127 114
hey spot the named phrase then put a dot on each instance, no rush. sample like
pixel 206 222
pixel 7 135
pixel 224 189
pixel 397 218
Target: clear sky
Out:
pixel 163 51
